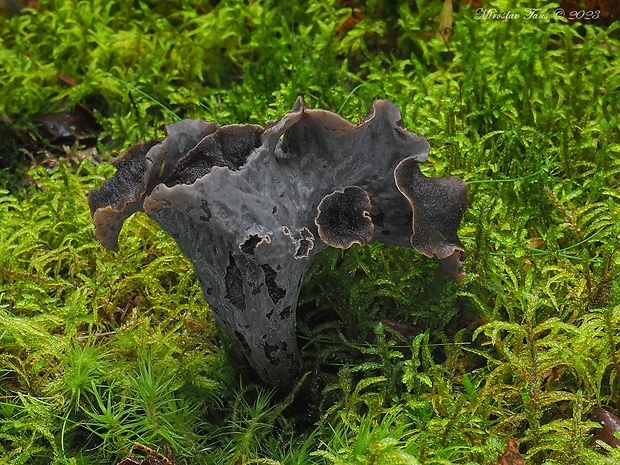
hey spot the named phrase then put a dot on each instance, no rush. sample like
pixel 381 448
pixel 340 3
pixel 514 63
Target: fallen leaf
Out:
pixel 130 461
pixel 610 425
pixel 78 124
pixel 511 455
pixel 445 21
pixel 350 22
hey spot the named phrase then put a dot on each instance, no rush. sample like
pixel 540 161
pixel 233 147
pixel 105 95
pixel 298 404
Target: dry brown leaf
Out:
pixel 511 455
pixel 351 21
pixel 77 124
pixel 610 425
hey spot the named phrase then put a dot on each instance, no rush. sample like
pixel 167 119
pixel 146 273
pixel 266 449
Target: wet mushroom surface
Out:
pixel 250 207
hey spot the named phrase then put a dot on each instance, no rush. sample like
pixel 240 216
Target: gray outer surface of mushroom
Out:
pixel 437 205
pixel 249 228
pixel 271 201
pixel 140 169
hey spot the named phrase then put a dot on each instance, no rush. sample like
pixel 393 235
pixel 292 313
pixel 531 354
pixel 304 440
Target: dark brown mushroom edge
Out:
pixel 251 206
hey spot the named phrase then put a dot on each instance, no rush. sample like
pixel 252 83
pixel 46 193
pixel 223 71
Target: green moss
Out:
pixel 100 349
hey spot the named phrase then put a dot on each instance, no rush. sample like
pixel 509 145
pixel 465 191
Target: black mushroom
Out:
pixel 251 206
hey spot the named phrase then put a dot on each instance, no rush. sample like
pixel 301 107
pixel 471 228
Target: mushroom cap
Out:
pixel 246 206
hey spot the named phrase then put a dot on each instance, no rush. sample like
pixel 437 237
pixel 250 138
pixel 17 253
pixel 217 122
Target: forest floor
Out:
pixel 114 357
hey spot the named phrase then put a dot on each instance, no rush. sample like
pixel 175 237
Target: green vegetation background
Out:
pixel 100 349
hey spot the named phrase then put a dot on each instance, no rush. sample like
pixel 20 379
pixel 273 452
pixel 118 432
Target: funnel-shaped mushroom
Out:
pixel 250 207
